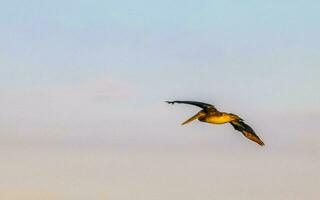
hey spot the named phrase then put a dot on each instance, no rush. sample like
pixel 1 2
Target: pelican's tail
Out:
pixel 247 131
pixel 196 116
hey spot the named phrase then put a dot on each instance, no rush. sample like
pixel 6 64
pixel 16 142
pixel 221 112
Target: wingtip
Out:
pixel 252 136
pixel 260 142
pixel 169 102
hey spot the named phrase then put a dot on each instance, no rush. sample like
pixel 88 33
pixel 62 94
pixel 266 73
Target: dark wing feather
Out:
pixel 204 106
pixel 247 131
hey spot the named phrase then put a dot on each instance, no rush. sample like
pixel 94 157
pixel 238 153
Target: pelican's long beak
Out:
pixel 196 116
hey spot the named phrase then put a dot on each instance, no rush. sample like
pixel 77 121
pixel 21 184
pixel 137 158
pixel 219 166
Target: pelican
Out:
pixel 210 114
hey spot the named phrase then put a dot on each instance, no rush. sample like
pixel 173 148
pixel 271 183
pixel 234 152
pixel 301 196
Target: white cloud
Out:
pixel 42 99
pixel 58 112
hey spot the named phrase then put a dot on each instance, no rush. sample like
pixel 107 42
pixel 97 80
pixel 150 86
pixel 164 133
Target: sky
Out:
pixel 84 84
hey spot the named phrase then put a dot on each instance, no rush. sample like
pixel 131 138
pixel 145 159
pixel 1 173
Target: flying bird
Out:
pixel 211 115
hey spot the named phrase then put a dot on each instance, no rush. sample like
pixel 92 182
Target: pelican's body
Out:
pixel 211 115
pixel 219 118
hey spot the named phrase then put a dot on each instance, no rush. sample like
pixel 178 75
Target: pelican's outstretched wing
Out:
pixel 204 106
pixel 247 131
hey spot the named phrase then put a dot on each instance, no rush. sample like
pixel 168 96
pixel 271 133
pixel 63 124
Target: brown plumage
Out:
pixel 211 115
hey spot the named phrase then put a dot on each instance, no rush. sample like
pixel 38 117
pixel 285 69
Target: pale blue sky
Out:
pixel 256 56
pixel 267 48
pixel 83 84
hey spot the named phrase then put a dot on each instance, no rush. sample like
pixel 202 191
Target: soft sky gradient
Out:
pixel 83 85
